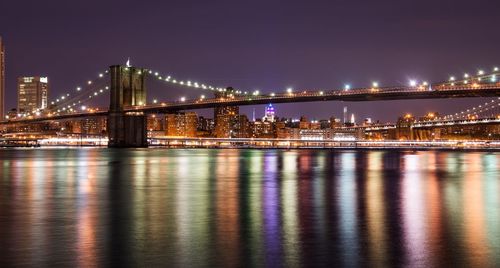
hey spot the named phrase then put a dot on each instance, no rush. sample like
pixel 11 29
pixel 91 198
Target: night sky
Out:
pixel 265 45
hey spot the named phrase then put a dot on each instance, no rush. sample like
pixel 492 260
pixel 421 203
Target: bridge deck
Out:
pixel 365 94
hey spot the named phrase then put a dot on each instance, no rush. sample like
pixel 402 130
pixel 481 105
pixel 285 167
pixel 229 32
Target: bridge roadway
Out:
pixel 362 94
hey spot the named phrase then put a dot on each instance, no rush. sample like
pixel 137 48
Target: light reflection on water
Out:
pixel 155 207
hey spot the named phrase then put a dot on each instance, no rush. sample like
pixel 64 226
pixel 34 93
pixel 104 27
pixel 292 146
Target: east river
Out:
pixel 232 208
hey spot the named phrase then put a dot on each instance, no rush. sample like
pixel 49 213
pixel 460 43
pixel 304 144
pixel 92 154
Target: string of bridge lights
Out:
pixel 476 110
pixel 68 100
pixel 187 83
pixel 481 75
pixel 71 107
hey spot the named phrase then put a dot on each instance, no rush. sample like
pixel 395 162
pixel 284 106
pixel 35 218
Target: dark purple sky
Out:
pixel 266 45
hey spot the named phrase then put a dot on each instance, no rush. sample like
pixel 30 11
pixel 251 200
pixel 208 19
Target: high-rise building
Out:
pixel 2 79
pixel 269 113
pixel 242 127
pixel 181 124
pixel 32 93
pixel 155 122
pixel 345 114
pixel 225 117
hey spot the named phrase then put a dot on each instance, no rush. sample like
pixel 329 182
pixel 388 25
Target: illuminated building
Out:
pixel 303 124
pixel 262 129
pixel 2 79
pixel 280 124
pixel 269 113
pixel 155 122
pixel 335 122
pixel 205 126
pixel 347 134
pixel 32 93
pixel 241 128
pixel 286 133
pixel 225 117
pixel 92 125
pixel 181 124
pixel 314 124
pixel 345 114
pixel 404 127
pixel 315 134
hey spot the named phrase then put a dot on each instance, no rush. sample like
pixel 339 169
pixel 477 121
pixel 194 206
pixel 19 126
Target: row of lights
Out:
pixel 187 83
pixel 475 110
pixel 347 87
pixel 78 89
pixel 480 75
pixel 71 107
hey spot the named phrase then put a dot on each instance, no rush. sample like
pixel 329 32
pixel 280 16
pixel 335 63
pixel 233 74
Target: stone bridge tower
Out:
pixel 127 89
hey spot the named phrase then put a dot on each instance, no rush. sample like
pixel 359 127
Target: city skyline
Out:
pixel 330 133
pixel 290 50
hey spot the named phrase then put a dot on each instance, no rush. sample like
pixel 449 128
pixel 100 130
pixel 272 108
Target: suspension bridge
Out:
pixel 125 86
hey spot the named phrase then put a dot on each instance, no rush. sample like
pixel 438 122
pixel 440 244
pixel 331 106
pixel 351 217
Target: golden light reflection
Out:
pixel 474 218
pixel 227 206
pixel 87 212
pixel 291 242
pixel 376 223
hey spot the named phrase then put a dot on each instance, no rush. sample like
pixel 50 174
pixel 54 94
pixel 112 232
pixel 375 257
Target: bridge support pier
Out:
pixel 127 129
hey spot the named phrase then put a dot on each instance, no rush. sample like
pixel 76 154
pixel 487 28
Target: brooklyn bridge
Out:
pixel 126 88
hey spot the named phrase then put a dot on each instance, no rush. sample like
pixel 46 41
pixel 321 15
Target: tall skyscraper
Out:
pixel 225 117
pixel 345 114
pixel 32 93
pixel 2 80
pixel 269 113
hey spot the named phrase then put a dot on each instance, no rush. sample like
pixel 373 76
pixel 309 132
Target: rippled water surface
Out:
pixel 191 208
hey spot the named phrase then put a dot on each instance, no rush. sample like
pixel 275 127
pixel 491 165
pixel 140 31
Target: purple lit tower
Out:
pixel 269 113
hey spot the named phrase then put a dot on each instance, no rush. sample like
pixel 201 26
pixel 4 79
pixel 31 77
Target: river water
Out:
pixel 230 208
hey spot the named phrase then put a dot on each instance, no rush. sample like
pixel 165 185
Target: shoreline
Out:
pixel 353 148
